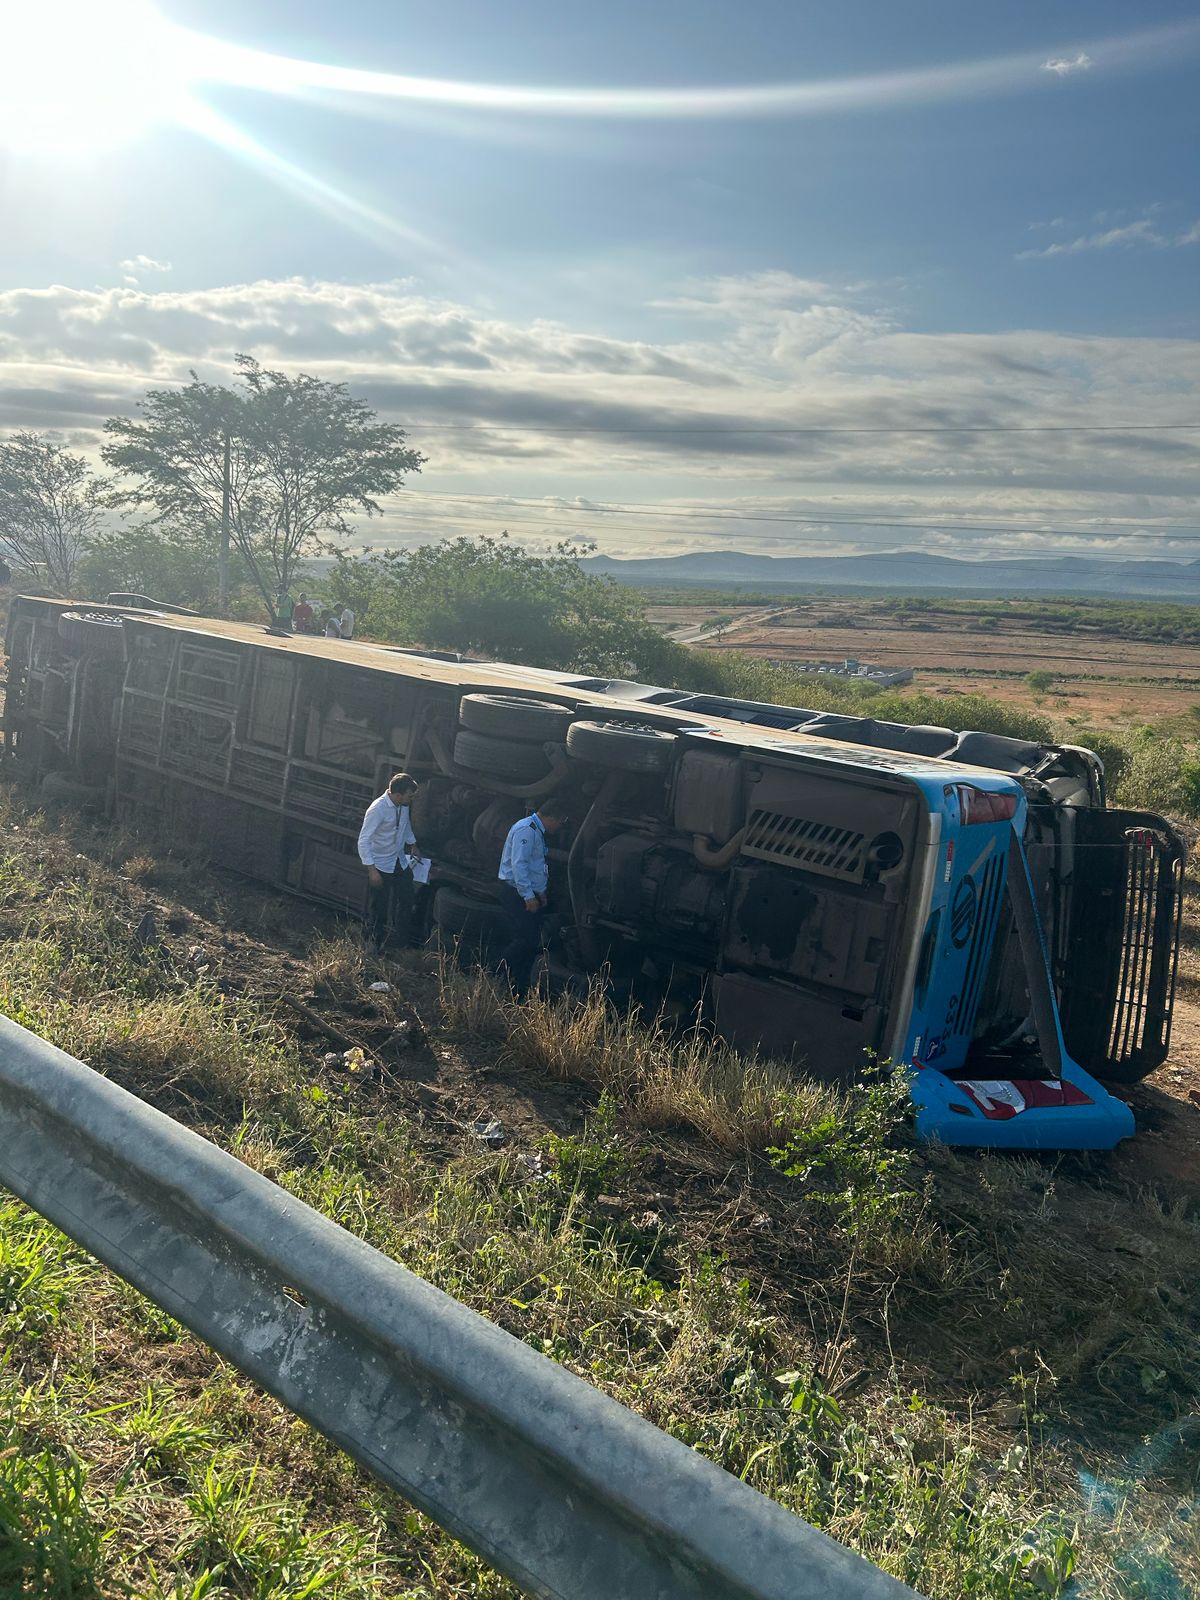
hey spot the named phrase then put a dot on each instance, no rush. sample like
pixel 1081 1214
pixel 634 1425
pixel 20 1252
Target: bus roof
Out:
pixel 779 731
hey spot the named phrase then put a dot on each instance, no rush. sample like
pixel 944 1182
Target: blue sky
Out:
pixel 1000 228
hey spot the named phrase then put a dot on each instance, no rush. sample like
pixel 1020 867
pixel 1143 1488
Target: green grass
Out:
pixel 923 1354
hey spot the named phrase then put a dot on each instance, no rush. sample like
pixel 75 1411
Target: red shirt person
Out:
pixel 302 616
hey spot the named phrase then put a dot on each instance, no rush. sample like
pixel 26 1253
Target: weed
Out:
pixel 471 1002
pixel 339 967
pixel 139 868
pixel 862 1148
pixel 38 1274
pixel 593 1161
pixel 164 1435
pixel 51 1544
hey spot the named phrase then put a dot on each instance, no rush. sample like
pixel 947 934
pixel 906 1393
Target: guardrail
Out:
pixel 557 1486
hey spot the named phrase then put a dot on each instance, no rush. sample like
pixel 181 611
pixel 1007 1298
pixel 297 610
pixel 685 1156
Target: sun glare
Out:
pixel 84 75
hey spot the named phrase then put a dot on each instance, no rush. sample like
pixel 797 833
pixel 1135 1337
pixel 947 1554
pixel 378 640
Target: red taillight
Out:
pixel 981 805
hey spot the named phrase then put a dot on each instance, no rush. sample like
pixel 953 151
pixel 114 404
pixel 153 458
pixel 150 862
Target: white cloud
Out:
pixel 1144 231
pixel 1062 67
pixel 733 296
pixel 137 267
pixel 771 391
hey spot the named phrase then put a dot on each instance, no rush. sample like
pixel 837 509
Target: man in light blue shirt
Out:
pixel 524 886
pixel 386 846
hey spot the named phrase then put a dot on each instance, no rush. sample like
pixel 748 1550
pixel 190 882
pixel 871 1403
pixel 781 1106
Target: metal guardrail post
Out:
pixel 557 1486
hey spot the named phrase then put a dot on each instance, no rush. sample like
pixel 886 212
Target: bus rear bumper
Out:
pixel 1013 1114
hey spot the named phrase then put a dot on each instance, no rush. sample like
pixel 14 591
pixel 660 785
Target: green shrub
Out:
pixel 1160 775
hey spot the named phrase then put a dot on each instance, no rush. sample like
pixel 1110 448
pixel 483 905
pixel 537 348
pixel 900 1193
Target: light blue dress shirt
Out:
pixel 524 863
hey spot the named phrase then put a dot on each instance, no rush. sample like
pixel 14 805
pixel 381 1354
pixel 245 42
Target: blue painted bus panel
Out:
pixel 960 933
pixel 947 1113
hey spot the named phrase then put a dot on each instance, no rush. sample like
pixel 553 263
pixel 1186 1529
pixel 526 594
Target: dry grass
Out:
pixel 140 868
pixel 221 1054
pixel 473 1006
pixel 661 1078
pixel 341 965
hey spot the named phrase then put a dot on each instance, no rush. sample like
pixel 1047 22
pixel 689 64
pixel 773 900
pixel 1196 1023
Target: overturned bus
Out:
pixel 824 888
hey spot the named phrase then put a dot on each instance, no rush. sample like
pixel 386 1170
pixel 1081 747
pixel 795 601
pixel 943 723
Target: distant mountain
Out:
pixel 915 572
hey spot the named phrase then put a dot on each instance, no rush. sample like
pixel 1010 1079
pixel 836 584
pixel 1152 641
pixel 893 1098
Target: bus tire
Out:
pixel 93 635
pixel 622 747
pixel 509 716
pixel 64 789
pixel 462 920
pixel 499 758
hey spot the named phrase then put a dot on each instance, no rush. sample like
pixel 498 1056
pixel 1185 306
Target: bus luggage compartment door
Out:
pixel 1118 960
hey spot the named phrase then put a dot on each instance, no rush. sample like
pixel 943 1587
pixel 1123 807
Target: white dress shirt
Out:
pixel 386 829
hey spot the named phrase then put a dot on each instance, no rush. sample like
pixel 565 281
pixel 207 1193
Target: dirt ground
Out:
pixel 672 618
pixel 1166 1150
pixel 1102 679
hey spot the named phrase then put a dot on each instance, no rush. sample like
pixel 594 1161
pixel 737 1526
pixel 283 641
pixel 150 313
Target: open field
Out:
pixel 671 618
pixel 1102 678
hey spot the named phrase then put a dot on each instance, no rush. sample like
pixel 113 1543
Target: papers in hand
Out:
pixel 420 868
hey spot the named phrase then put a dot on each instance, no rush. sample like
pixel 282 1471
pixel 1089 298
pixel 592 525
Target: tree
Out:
pixel 50 506
pixel 298 456
pixel 177 566
pixel 493 597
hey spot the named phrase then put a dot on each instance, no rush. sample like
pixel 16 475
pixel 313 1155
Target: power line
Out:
pixel 726 428
pixel 651 514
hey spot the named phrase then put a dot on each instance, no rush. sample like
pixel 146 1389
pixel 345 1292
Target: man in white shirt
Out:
pixel 346 623
pixel 387 846
pixel 524 885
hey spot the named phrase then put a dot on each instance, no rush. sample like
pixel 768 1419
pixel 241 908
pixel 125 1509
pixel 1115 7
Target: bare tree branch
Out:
pixel 50 507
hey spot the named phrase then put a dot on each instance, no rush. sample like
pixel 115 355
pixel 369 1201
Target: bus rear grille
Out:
pixel 802 842
pixel 1140 1018
pixel 1118 954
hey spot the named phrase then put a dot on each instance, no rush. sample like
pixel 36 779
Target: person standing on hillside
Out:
pixel 387 846
pixel 346 623
pixel 285 607
pixel 303 616
pixel 524 882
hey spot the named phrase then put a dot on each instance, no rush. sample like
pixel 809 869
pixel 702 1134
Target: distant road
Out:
pixel 693 633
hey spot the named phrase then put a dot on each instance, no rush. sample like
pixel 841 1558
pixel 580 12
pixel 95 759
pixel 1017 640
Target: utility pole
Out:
pixel 223 558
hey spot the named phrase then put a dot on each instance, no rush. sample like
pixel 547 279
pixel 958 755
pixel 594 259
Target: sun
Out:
pixel 78 76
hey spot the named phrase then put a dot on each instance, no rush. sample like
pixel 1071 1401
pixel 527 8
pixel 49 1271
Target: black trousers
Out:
pixel 390 907
pixel 523 929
